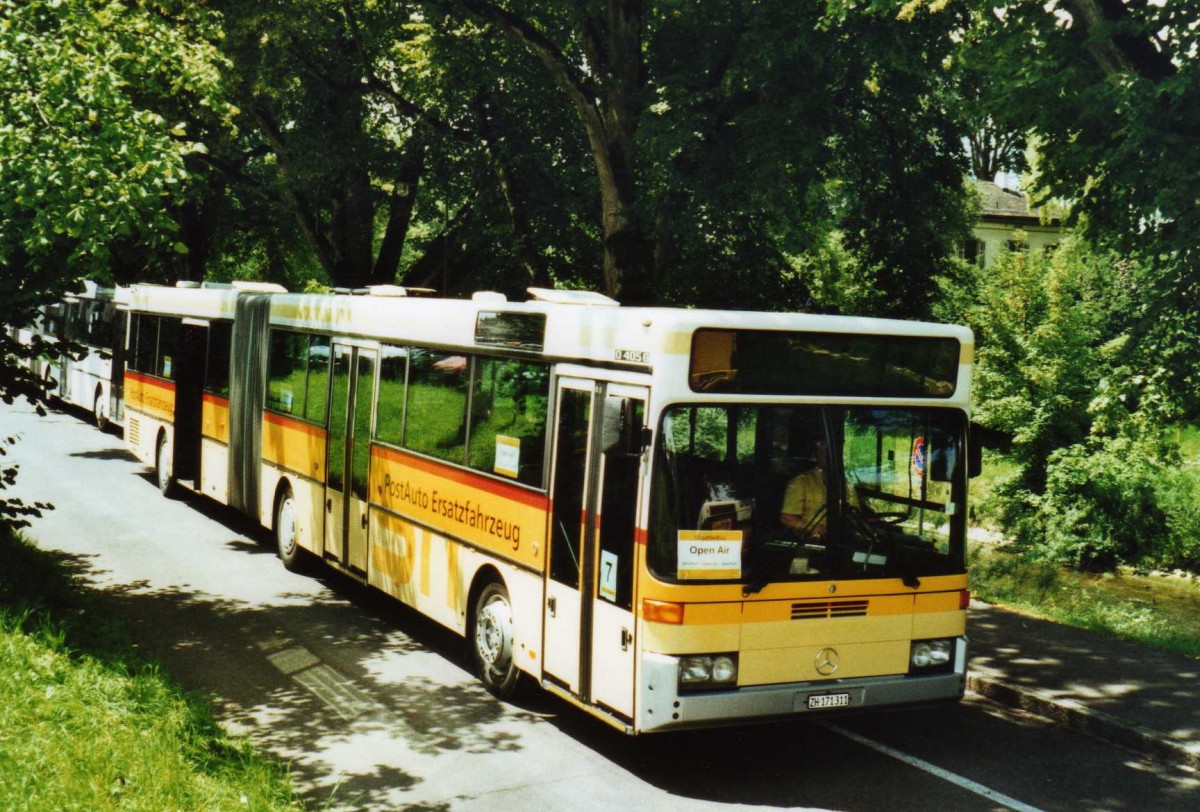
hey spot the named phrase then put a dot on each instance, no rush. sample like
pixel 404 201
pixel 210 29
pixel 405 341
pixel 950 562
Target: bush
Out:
pixel 1100 507
pixel 1111 501
pixel 1179 497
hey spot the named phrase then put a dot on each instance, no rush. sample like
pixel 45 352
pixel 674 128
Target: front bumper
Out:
pixel 663 707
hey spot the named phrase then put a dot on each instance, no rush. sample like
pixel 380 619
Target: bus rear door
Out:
pixel 352 388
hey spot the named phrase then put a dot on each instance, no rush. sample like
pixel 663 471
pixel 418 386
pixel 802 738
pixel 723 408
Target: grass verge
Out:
pixel 87 723
pixel 1158 611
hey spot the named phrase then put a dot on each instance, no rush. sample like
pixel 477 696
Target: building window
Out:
pixel 974 251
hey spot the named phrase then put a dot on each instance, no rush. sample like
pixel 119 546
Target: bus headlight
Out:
pixel 930 655
pixel 707 670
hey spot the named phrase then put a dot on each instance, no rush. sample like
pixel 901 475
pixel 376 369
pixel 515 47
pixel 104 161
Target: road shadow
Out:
pixel 106 454
pixel 1158 689
pixel 216 647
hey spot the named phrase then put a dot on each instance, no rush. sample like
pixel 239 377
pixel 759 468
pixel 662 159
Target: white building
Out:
pixel 1007 222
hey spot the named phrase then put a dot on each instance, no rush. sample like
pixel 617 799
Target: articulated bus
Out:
pixel 94 320
pixel 602 499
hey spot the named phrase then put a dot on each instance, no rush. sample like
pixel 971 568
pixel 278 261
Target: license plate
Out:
pixel 828 701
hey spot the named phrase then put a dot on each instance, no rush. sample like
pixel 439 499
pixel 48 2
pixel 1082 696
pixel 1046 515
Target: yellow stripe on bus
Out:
pixel 214 413
pixel 294 445
pixel 452 590
pixel 426 549
pixel 150 396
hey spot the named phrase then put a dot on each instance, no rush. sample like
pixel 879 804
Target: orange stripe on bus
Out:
pixel 293 423
pixel 148 380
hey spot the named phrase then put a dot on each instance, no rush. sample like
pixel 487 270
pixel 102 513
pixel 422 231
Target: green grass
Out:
pixel 1188 436
pixel 1158 611
pixel 86 723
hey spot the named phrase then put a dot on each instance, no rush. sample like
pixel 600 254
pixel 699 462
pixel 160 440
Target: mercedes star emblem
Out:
pixel 827 662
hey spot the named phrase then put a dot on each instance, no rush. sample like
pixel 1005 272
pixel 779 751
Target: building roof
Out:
pixel 1006 205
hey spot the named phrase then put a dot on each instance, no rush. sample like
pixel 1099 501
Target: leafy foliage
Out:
pixel 89 157
pixel 1099 483
pixel 1045 323
pixel 14 512
pixel 1115 500
pixel 1100 505
pixel 726 139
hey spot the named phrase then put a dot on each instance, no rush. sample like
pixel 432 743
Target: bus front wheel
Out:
pixel 493 641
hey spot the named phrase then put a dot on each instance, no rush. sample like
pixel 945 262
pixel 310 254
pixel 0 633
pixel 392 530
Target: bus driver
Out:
pixel 805 507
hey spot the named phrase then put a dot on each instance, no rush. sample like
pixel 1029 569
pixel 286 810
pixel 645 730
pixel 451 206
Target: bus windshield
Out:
pixel 765 493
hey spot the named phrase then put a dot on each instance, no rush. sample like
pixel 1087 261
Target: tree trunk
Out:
pixel 607 99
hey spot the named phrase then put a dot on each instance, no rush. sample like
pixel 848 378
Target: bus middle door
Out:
pixel 348 454
pixel 589 620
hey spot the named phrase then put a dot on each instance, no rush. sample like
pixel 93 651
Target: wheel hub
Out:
pixel 493 633
pixel 287 526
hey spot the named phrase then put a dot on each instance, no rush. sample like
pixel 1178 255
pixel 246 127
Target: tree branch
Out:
pixel 577 87
pixel 1117 52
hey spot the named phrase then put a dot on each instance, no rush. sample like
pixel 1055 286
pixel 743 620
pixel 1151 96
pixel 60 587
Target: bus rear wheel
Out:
pixel 164 476
pixel 492 641
pixel 290 553
pixel 100 412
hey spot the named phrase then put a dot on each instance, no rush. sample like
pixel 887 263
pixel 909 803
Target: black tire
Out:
pixel 293 556
pixel 164 475
pixel 491 638
pixel 99 412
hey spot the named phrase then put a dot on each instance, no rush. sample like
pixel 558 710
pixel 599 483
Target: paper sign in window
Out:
pixel 608 575
pixel 710 554
pixel 508 455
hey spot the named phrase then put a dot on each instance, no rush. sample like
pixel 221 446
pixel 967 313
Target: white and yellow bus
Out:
pixel 593 495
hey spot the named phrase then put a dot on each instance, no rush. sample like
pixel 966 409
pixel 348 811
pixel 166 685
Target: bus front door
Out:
pixel 348 453
pixel 589 621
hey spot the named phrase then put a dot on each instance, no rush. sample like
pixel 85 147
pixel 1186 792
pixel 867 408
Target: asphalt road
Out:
pixel 374 708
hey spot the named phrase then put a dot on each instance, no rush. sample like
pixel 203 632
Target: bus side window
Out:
pixel 389 415
pixel 76 322
pixel 508 426
pixel 168 337
pixel 216 378
pixel 287 370
pixel 100 325
pixel 144 342
pixel 317 399
pixel 437 406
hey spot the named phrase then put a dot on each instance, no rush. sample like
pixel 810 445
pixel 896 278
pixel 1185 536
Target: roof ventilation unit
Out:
pixel 572 297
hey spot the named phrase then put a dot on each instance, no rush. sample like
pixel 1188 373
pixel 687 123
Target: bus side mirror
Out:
pixel 974 454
